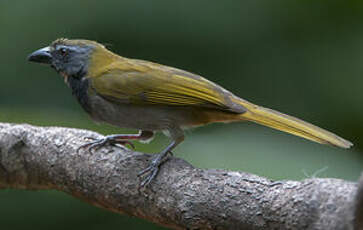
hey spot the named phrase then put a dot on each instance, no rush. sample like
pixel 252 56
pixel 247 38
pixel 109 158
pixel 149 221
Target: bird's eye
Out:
pixel 63 51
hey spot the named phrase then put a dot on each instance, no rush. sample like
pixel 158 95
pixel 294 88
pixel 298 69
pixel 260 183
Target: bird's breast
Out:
pixel 80 89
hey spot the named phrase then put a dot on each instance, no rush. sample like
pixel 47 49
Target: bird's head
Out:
pixel 70 58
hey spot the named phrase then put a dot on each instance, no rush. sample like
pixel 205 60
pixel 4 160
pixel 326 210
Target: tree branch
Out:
pixel 181 197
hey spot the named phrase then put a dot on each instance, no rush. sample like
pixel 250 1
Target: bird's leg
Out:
pixel 153 169
pixel 117 139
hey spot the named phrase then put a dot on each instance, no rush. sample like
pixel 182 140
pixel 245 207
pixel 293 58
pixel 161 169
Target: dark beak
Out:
pixel 41 56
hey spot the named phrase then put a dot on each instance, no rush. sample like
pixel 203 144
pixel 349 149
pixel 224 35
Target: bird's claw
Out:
pixel 98 143
pixel 93 145
pixel 153 169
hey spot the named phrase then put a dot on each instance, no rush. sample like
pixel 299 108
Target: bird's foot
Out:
pixel 152 170
pixel 108 140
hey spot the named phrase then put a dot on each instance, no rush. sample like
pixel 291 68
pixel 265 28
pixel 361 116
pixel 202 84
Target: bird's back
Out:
pixel 145 82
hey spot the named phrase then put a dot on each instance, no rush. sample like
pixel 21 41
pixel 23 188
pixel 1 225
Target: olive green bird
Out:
pixel 150 97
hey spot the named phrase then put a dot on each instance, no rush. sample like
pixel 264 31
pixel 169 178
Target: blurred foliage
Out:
pixel 299 57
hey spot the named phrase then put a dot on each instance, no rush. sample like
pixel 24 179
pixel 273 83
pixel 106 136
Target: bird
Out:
pixel 150 97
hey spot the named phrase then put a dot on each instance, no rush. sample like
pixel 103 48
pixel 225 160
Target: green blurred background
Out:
pixel 303 58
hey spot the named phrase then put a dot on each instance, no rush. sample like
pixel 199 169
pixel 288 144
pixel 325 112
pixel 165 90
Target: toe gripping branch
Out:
pixel 152 170
pixel 116 140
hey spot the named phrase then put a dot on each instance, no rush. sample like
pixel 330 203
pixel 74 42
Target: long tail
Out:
pixel 289 124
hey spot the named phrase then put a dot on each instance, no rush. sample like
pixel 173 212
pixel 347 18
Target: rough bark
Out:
pixel 181 197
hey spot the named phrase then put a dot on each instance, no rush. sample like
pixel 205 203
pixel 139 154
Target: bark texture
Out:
pixel 181 197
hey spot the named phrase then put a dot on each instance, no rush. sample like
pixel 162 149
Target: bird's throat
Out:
pixel 79 87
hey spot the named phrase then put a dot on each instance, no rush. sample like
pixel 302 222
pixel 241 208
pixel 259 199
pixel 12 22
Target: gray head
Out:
pixel 68 57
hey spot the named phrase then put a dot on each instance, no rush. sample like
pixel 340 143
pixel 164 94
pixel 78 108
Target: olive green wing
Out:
pixel 161 85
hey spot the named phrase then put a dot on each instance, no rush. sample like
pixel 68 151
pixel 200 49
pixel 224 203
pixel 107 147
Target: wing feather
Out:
pixel 157 84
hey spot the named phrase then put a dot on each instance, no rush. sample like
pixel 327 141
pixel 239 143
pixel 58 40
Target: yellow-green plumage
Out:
pixel 143 82
pixel 148 96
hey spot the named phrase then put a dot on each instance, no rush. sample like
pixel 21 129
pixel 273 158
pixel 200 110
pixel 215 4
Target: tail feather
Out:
pixel 292 125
